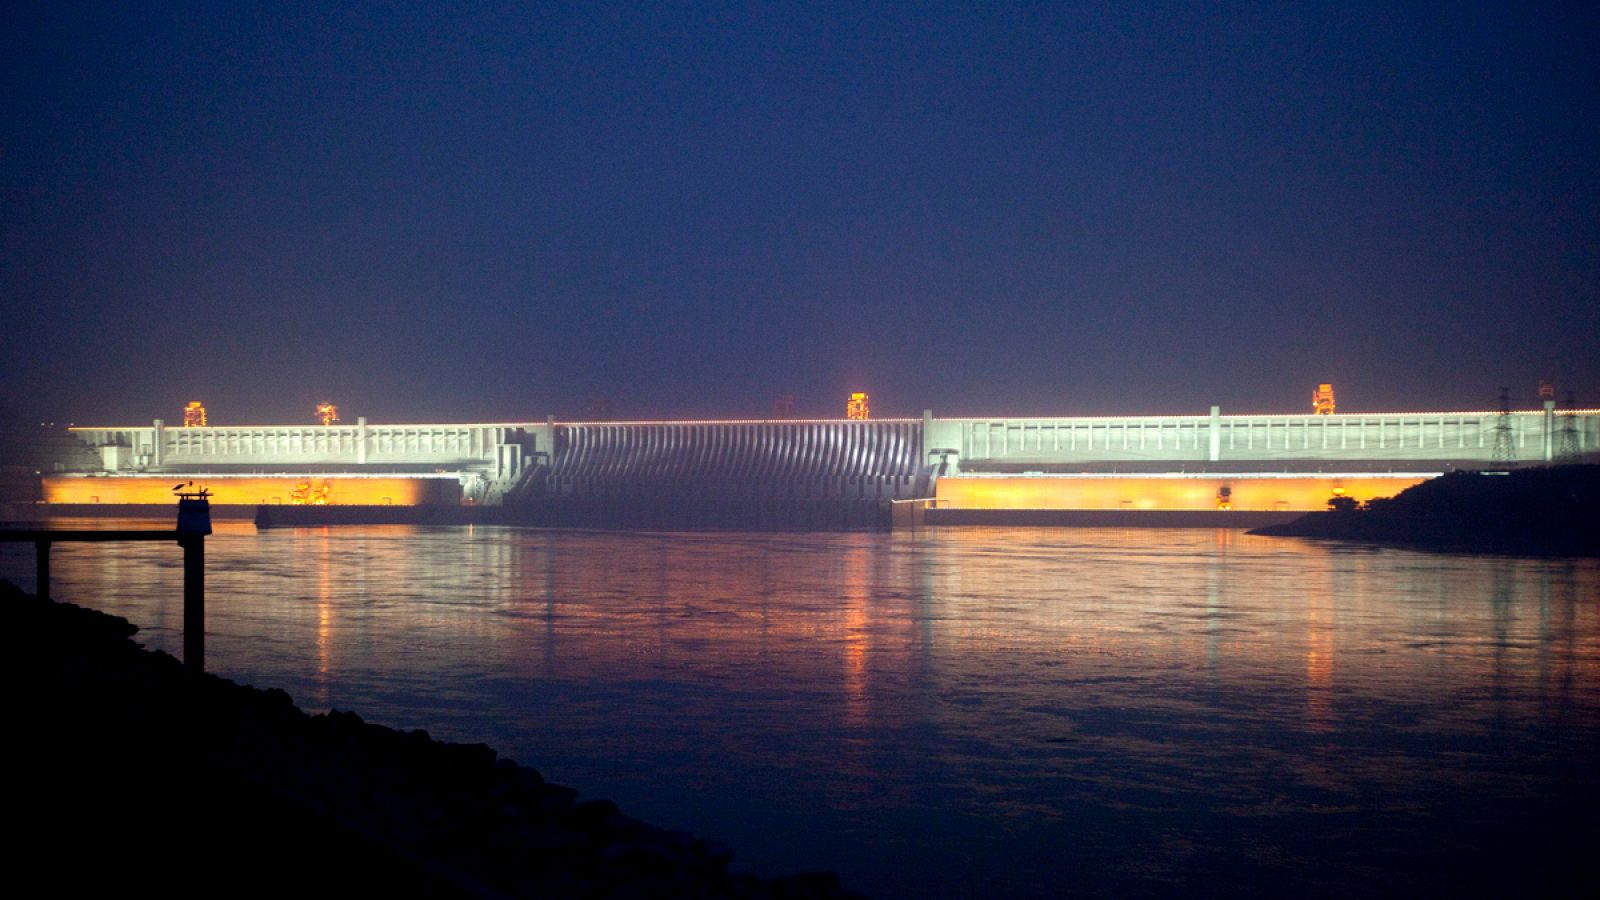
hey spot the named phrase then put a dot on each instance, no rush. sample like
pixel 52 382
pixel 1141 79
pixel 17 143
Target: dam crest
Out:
pixel 812 473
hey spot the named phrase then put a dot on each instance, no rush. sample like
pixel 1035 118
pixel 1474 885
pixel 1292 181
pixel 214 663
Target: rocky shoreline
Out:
pixel 1548 511
pixel 131 769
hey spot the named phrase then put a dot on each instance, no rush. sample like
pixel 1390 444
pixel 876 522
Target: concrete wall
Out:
pixel 156 490
pixel 824 448
pixel 1449 439
pixel 487 460
pixel 453 446
pixel 1132 492
pixel 659 472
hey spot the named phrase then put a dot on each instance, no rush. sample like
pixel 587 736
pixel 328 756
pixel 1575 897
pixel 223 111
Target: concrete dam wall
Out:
pixel 725 475
pixel 819 474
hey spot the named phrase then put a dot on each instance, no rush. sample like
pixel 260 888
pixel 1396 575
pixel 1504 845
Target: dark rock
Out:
pixel 594 814
pixel 716 854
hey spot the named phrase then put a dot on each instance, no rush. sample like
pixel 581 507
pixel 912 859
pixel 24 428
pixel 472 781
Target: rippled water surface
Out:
pixel 967 712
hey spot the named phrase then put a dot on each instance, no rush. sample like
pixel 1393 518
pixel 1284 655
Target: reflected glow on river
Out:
pixel 967 712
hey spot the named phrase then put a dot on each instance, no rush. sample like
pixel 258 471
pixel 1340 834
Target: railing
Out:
pixel 191 537
pixel 910 513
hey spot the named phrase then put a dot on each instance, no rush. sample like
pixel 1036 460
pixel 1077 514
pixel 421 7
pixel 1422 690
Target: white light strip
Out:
pixel 1147 419
pixel 375 425
pixel 1209 476
pixel 1295 417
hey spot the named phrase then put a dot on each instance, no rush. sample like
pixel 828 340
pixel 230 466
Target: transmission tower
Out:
pixel 1505 455
pixel 1567 449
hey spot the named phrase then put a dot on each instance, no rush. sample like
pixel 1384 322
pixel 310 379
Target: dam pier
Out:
pixel 1209 469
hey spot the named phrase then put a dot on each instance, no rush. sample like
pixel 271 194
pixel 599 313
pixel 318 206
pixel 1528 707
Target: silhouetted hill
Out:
pixel 1551 511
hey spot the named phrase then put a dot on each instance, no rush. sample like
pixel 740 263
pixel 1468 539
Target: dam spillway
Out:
pixel 818 473
pixel 727 474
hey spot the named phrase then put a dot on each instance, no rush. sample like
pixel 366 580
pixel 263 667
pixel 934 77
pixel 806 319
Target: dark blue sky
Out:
pixel 474 211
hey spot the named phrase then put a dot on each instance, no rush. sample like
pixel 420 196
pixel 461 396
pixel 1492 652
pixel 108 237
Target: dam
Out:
pixel 811 473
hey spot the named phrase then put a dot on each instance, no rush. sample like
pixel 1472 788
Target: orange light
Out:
pixel 194 415
pixel 1306 493
pixel 317 490
pixel 306 495
pixel 328 413
pixel 1322 400
pixel 856 407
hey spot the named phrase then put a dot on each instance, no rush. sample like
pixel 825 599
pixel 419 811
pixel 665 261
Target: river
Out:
pixel 962 712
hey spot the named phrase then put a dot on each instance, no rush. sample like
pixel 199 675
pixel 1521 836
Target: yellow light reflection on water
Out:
pixel 1009 680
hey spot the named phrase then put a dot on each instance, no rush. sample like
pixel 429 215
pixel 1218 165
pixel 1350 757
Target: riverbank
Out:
pixel 130 769
pixel 1549 511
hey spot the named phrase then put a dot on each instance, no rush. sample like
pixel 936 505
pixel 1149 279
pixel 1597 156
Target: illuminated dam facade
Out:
pixel 818 473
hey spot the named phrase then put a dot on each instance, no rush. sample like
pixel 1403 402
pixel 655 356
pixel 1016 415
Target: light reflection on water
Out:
pixel 963 712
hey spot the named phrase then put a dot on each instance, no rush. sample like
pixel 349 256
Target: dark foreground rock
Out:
pixel 125 770
pixel 1551 511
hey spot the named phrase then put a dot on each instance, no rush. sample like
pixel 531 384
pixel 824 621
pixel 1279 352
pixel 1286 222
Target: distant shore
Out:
pixel 1547 511
pixel 131 768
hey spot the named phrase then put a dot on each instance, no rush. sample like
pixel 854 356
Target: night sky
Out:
pixel 482 212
